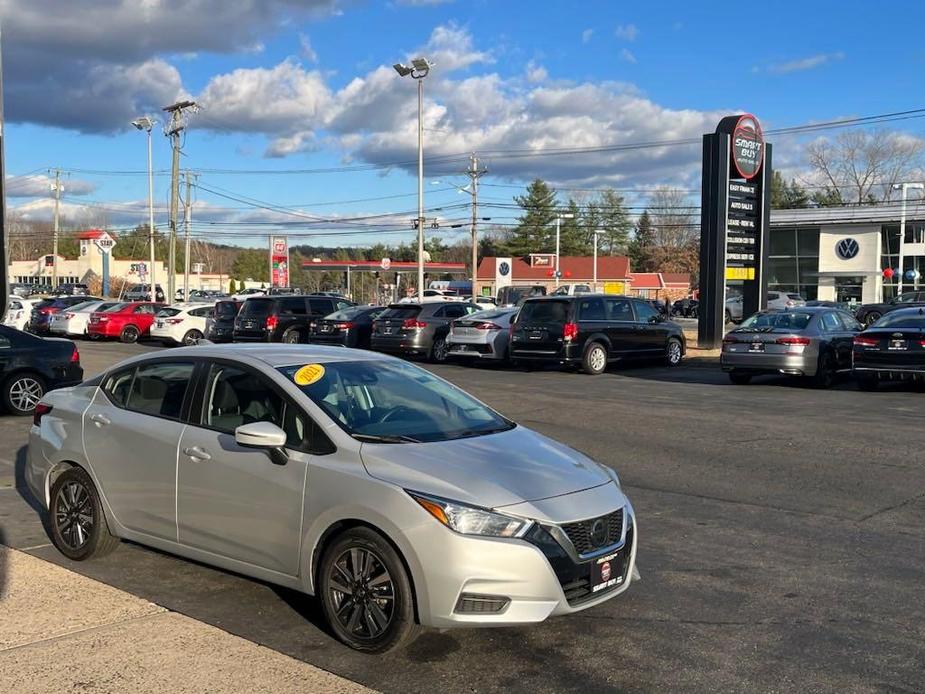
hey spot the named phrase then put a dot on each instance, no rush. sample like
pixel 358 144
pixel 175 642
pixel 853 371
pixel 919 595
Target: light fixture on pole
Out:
pixel 147 123
pixel 902 229
pixel 597 232
pixel 418 70
pixel 559 218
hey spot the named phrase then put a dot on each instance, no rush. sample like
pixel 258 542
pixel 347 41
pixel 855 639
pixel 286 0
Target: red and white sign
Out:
pixel 386 263
pixel 279 261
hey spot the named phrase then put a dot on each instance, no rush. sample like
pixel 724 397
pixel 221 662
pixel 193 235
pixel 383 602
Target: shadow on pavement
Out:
pixel 23 488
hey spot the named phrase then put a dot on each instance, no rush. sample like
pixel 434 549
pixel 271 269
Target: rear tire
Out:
pixel 825 371
pixel 292 337
pixel 594 360
pixel 129 334
pixel 740 379
pixel 439 350
pixel 375 611
pixel 191 337
pixel 868 382
pixel 22 392
pixel 77 525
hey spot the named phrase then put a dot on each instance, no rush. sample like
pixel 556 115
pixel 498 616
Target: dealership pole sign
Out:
pixel 279 261
pixel 734 221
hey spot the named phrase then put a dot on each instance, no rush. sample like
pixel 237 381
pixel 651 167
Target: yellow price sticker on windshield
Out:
pixel 308 374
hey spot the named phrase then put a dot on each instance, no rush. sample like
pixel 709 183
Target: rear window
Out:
pixel 167 312
pixel 115 308
pixel 400 312
pixel 778 320
pixel 544 312
pixel 348 313
pixel 903 320
pixel 226 309
pixel 257 307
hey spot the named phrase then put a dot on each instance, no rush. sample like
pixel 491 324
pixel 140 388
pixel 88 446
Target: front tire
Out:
pixel 77 524
pixel 129 334
pixel 674 352
pixel 594 360
pixel 871 318
pixel 22 392
pixel 365 592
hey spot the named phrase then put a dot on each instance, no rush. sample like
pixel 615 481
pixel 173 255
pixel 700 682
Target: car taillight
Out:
pixel 800 341
pixel 790 303
pixel 272 322
pixel 102 319
pixel 864 341
pixel 75 356
pixel 344 326
pixel 40 411
pixel 68 316
pixel 46 310
pixel 414 324
pixel 487 326
pixel 569 331
pixel 173 321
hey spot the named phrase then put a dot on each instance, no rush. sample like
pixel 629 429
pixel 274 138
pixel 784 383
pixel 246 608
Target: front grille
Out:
pixel 580 532
pixel 469 603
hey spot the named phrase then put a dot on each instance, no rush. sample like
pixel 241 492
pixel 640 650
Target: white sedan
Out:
pixel 18 312
pixel 181 324
pixel 73 321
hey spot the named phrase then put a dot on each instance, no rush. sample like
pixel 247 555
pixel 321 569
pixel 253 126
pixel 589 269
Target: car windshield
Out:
pixel 777 320
pixel 916 319
pixel 386 401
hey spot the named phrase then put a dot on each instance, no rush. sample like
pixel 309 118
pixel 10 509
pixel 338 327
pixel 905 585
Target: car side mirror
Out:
pixel 655 319
pixel 265 435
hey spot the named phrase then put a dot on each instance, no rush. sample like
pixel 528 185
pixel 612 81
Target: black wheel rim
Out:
pixel 131 334
pixel 362 593
pixel 440 350
pixel 74 514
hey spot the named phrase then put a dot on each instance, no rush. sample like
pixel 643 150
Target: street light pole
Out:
pixel 146 123
pixel 418 70
pixel 559 219
pixel 597 232
pixel 902 229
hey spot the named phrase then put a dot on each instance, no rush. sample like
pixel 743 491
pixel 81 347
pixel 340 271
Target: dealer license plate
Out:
pixel 756 347
pixel 160 324
pixel 607 572
pixel 899 344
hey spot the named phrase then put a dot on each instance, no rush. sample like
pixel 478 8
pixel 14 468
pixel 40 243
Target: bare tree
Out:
pixel 672 215
pixel 864 165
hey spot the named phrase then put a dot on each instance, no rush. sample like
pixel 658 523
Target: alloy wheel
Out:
pixel 674 352
pixel 440 350
pixel 25 393
pixel 597 359
pixel 362 593
pixel 74 514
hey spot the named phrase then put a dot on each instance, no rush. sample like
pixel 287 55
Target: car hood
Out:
pixel 495 470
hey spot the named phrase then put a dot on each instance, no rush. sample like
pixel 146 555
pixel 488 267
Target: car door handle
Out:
pixel 100 419
pixel 197 453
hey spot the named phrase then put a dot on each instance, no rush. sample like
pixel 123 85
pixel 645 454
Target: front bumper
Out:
pixel 535 577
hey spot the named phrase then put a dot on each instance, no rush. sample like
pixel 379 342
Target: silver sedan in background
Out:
pixel 813 342
pixel 482 335
pixel 392 495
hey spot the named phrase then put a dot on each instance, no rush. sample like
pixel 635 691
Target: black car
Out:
pixel 71 289
pixel 868 314
pixel 891 349
pixel 351 327
pixel 418 329
pixel 591 330
pixel 220 321
pixel 30 366
pixel 41 313
pixel 282 318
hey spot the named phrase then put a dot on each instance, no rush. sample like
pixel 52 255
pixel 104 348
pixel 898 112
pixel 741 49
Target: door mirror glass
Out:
pixel 260 435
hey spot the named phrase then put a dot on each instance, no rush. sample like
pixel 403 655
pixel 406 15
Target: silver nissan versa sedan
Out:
pixel 392 495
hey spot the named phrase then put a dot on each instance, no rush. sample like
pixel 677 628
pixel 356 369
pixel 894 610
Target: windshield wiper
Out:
pixel 385 438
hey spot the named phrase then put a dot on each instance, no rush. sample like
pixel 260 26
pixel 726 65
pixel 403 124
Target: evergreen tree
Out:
pixel 642 247
pixel 232 287
pixel 535 230
pixel 787 196
pixel 615 221
pixel 828 197
pixel 573 235
pixel 251 264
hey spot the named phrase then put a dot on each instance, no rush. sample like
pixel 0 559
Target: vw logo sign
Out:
pixel 846 249
pixel 504 268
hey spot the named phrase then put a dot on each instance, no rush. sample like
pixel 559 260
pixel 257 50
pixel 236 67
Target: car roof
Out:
pixel 582 297
pixel 910 311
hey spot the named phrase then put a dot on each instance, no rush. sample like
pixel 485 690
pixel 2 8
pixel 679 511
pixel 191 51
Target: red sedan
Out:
pixel 127 321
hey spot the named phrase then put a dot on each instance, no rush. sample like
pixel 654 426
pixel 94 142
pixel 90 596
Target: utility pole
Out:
pixel 173 129
pixel 188 220
pixel 56 189
pixel 474 174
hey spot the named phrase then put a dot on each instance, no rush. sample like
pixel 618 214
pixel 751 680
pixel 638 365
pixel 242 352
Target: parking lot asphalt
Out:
pixel 781 544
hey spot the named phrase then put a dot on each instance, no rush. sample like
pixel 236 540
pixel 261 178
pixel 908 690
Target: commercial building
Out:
pixel 613 275
pixel 841 253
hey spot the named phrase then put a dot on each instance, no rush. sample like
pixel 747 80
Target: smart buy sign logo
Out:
pixel 747 146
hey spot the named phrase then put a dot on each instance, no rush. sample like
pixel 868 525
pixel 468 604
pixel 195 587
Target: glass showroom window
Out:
pixel 793 261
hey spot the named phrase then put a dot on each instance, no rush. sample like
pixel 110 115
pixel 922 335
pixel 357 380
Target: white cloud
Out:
pixel 38 186
pixel 306 50
pixel 627 32
pixel 807 63
pixel 536 73
pixel 586 35
pixel 627 55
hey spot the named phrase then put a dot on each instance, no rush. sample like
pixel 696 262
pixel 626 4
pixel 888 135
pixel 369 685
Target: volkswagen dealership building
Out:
pixel 840 254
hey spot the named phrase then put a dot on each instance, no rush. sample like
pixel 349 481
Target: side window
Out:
pixel 235 397
pixel 591 309
pixel 292 307
pixel 830 323
pixel 619 309
pixel 455 311
pixel 473 309
pixel 118 386
pixel 201 312
pixel 144 308
pixel 159 389
pixel 321 306
pixel 644 312
pixel 440 312
pixel 849 321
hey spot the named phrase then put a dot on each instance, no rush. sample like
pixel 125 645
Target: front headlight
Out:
pixel 471 520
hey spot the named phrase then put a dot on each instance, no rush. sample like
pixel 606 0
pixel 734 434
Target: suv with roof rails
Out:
pixel 283 318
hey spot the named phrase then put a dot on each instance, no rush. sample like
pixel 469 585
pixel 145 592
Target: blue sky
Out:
pixel 305 84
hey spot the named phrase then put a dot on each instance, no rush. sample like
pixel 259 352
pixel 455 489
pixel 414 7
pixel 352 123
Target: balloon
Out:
pixel 568 273
pixel 888 272
pixel 550 273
